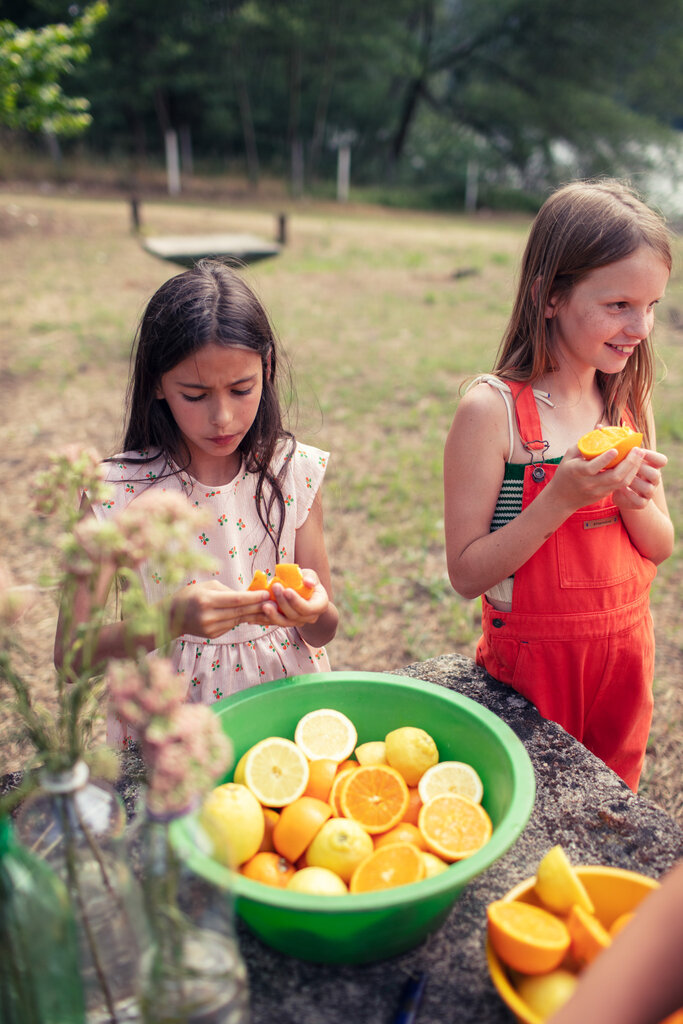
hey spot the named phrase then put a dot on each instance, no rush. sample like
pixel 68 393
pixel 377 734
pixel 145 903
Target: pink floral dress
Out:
pixel 235 537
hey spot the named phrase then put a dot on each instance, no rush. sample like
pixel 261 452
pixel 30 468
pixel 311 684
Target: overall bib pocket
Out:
pixel 594 550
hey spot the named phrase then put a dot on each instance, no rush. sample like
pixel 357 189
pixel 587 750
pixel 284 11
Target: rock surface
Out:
pixel 580 803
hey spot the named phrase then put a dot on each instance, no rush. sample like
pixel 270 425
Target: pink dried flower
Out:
pixel 185 754
pixel 141 694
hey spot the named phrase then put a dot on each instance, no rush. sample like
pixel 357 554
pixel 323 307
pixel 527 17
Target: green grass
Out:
pixel 383 315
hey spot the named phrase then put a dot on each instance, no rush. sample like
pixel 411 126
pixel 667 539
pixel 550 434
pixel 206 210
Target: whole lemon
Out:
pixel 340 845
pixel 546 993
pixel 233 819
pixel 411 751
pixel 317 882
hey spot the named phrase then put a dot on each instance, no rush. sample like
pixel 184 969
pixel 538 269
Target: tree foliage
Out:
pixel 32 63
pixel 413 82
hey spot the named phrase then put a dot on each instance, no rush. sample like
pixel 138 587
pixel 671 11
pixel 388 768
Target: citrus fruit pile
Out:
pixel 306 815
pixel 601 440
pixel 547 943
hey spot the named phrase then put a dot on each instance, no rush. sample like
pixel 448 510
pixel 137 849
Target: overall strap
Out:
pixel 528 420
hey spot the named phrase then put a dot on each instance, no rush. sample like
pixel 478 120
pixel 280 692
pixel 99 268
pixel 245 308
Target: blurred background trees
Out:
pixel 461 99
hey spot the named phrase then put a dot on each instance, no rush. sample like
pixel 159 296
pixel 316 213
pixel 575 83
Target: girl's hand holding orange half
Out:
pixel 288 608
pixel 579 482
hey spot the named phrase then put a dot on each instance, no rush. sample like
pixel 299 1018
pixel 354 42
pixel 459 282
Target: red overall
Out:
pixel 579 641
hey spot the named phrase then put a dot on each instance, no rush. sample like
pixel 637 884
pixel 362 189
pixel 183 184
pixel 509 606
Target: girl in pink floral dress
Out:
pixel 204 420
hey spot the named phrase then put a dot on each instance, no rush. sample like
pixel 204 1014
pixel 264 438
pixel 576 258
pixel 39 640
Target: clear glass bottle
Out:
pixel 40 981
pixel 77 825
pixel 195 973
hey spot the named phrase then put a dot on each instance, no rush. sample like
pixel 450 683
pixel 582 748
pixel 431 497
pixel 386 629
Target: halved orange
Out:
pixel 376 796
pixel 389 866
pixel 454 826
pixel 340 780
pixel 269 868
pixel 527 938
pixel 298 824
pixel 288 574
pixel 595 442
pixel 588 936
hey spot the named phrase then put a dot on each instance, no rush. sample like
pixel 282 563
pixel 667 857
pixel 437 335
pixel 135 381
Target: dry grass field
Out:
pixel 382 314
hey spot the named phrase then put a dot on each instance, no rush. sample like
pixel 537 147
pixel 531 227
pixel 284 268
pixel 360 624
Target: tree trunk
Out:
pixel 295 143
pixel 248 133
pixel 324 94
pixel 415 86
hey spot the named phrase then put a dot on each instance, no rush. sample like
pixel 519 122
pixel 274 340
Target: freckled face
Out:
pixel 609 312
pixel 214 397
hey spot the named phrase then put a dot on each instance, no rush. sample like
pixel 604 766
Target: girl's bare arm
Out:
pixel 474 464
pixel 638 980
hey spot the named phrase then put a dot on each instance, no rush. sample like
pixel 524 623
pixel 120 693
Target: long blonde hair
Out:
pixel 580 227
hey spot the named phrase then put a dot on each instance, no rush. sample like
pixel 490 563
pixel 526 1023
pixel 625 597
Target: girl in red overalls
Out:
pixel 562 549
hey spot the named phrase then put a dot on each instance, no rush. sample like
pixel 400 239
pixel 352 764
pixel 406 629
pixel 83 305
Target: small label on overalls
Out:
pixel 591 524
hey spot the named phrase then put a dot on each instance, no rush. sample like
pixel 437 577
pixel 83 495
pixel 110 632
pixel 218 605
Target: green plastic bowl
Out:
pixel 364 927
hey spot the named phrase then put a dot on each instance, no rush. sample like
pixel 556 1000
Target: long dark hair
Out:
pixel 208 304
pixel 582 226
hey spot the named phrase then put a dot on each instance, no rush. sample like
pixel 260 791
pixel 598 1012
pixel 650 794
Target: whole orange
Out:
pixel 269 868
pixel 298 824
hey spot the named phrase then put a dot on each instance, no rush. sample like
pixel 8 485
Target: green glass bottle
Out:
pixel 40 982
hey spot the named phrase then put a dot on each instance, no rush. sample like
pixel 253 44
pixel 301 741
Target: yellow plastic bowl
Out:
pixel 614 891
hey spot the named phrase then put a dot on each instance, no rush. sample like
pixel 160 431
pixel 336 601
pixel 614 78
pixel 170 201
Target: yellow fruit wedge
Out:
pixel 558 886
pixel 276 771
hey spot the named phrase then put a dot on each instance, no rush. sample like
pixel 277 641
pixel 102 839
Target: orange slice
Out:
pixel 588 936
pixel 454 826
pixel 376 796
pixel 601 440
pixel 525 937
pixel 298 825
pixel 389 866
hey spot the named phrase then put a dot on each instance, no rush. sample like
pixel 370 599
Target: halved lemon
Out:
pixel 451 777
pixel 326 733
pixel 276 771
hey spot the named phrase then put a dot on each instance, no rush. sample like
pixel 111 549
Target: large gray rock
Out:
pixel 580 803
